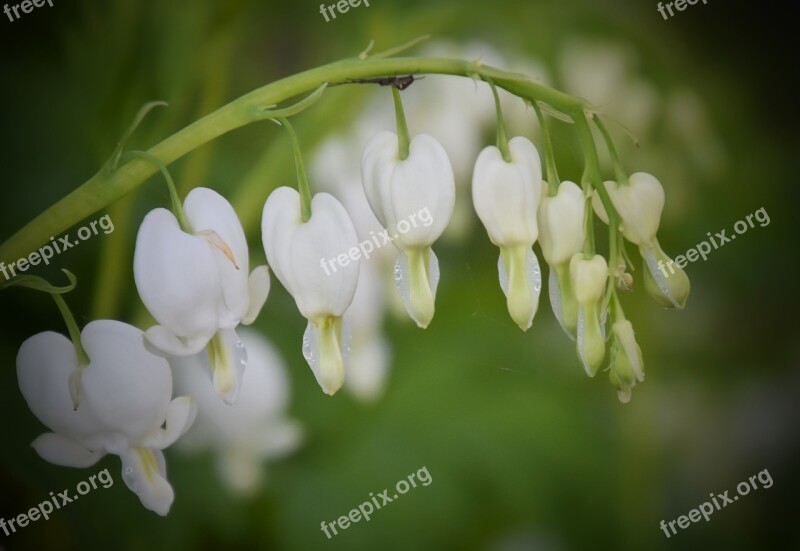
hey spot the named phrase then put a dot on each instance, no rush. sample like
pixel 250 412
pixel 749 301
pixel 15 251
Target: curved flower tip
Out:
pixel 323 350
pixel 627 367
pixel 59 450
pixel 144 472
pixel 664 280
pixel 416 275
pixel 228 358
pixel 258 286
pixel 521 281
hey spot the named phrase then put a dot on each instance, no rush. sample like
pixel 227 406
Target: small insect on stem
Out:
pixel 399 82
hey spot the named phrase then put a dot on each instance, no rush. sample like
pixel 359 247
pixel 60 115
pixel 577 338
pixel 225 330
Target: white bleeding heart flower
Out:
pixel 562 234
pixel 588 278
pixel 250 432
pixel 639 205
pixel 398 191
pixel 126 398
pixel 197 285
pixel 506 196
pixel 627 367
pixel 295 250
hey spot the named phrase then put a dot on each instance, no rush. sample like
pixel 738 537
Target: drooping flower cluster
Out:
pixel 110 391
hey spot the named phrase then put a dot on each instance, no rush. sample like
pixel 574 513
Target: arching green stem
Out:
pixel 619 171
pixel 107 186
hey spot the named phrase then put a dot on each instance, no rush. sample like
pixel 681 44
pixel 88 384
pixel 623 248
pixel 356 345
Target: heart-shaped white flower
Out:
pixel 398 191
pixel 126 398
pixel 197 285
pixel 506 196
pixel 295 250
pixel 639 205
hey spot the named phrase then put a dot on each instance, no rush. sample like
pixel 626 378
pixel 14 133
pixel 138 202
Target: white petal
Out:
pixel 208 210
pixel 44 364
pixel 127 388
pixel 423 181
pixel 506 195
pixel 180 416
pixel 561 224
pixel 177 276
pixel 378 161
pixel 258 291
pixel 144 472
pixel 328 234
pixel 60 450
pixel 280 219
pixel 163 342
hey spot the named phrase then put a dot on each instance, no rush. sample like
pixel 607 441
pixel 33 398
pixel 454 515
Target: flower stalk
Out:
pixel 106 186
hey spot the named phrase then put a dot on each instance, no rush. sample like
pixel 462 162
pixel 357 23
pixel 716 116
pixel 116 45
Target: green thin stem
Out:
pixel 502 139
pixel 106 186
pixel 403 138
pixel 177 206
pixel 302 179
pixel 619 171
pixel 549 155
pixel 72 327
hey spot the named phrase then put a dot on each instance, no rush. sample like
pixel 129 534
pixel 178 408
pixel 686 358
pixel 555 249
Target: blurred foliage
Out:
pixel 524 451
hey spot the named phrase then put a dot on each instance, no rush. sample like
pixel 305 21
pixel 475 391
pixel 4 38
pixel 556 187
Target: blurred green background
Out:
pixel 525 452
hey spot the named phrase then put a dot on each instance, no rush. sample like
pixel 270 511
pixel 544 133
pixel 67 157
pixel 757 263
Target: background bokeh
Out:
pixel 525 452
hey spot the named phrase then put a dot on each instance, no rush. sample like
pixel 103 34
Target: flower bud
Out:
pixel 627 367
pixel 561 224
pixel 588 279
pixel 667 283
